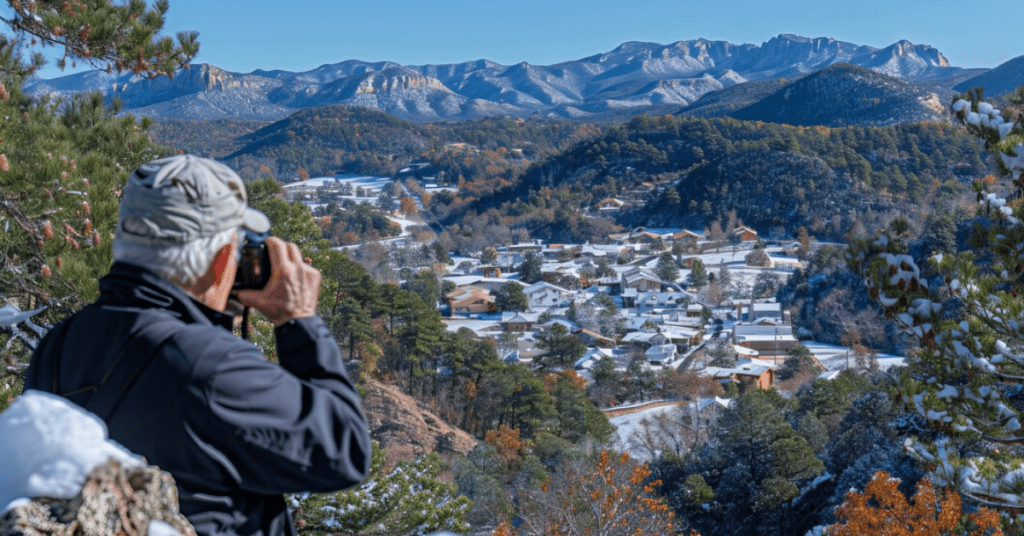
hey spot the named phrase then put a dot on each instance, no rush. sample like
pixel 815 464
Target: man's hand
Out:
pixel 293 288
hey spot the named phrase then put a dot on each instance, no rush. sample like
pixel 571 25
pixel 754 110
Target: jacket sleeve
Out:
pixel 296 426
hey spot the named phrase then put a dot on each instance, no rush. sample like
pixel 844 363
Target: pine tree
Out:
pixel 510 297
pixel 667 270
pixel 530 269
pixel 61 174
pixel 408 499
pixel 698 274
pixel 107 35
pixel 964 380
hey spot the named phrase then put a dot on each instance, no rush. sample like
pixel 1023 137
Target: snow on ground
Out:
pixel 366 181
pixel 836 358
pixel 628 426
pixel 48 446
pixel 735 261
pixel 405 223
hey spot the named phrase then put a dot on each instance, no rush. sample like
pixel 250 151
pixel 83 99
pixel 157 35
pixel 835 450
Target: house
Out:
pixel 780 262
pixel 687 239
pixel 547 326
pixel 686 235
pixel 652 300
pixel 694 310
pixel 750 374
pixel 522 249
pixel 491 271
pixel 641 279
pixel 772 341
pixel 558 251
pixel 792 248
pixel 591 357
pixel 610 204
pixel 643 237
pixel 644 338
pixel 527 349
pixel 490 284
pixel 542 295
pixel 596 251
pixel 758 310
pixel 566 276
pixel 518 322
pixel 746 234
pixel 488 329
pixel 661 354
pixel 682 336
pixel 471 300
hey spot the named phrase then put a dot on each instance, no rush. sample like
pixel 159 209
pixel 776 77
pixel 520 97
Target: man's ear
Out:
pixel 221 261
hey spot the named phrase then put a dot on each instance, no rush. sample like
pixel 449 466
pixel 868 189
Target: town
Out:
pixel 657 299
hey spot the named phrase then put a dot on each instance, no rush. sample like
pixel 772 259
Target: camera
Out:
pixel 254 266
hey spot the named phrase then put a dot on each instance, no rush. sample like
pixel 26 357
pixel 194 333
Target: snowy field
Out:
pixel 368 182
pixel 734 261
pixel 836 358
pixel 628 426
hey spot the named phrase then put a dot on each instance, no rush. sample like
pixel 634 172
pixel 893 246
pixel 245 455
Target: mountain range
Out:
pixel 633 78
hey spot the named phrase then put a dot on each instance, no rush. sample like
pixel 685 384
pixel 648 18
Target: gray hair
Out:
pixel 181 263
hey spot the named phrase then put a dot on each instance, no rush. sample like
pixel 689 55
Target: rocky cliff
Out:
pixel 405 429
pixel 636 77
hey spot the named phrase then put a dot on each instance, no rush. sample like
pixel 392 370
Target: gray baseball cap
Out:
pixel 182 198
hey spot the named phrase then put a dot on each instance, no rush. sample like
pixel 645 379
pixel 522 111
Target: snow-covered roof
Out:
pixel 661 352
pixel 478 327
pixel 591 357
pixel 543 285
pixel 508 317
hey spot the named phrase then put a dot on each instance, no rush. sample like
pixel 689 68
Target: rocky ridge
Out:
pixel 406 429
pixel 634 77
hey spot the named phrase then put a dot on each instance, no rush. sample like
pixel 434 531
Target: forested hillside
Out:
pixel 344 139
pixel 690 172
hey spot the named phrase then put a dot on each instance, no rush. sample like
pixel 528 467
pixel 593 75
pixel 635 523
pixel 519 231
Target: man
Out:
pixel 155 357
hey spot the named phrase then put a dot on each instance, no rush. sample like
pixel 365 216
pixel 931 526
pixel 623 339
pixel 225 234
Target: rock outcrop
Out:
pixel 635 76
pixel 405 429
pixel 114 500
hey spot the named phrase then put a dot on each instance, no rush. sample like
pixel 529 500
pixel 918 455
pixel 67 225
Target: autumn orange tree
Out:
pixel 609 496
pixel 883 509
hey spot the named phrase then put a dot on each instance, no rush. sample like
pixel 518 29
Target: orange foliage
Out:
pixel 408 205
pixel 613 498
pixel 882 509
pixel 508 443
pixel 569 376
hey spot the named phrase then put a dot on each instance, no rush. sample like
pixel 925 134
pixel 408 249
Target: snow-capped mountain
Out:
pixel 633 77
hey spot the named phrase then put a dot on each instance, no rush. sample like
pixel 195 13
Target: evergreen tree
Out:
pixel 408 499
pixel 965 379
pixel 757 462
pixel 578 417
pixel 424 284
pixel 667 270
pixel 63 164
pixel 698 274
pixel 530 269
pixel 510 297
pixel 562 349
pixel 102 33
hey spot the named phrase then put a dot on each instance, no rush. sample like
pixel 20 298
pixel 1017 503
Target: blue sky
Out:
pixel 298 35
